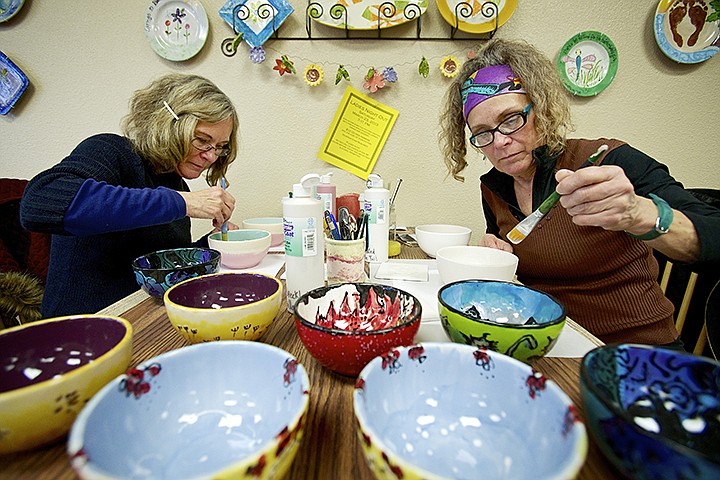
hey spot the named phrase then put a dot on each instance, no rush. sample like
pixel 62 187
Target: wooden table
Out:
pixel 330 447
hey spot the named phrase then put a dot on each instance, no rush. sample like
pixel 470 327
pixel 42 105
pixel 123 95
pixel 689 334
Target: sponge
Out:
pixel 393 248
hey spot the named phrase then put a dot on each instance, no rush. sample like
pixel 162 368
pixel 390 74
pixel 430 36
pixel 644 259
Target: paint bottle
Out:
pixel 304 240
pixel 377 207
pixel 326 192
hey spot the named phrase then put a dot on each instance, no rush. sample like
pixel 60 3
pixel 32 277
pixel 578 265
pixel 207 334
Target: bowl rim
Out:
pixel 76 436
pixel 216 236
pixel 268 299
pixel 463 229
pixel 214 255
pixel 587 385
pixel 416 313
pixel 125 340
pixel 560 319
pixel 477 248
pixel 573 466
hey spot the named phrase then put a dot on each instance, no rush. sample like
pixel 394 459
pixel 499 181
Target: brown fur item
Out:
pixel 20 298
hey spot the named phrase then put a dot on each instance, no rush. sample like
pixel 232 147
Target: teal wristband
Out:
pixel 663 221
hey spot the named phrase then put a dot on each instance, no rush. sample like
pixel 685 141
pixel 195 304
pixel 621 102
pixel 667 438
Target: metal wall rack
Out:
pixel 386 11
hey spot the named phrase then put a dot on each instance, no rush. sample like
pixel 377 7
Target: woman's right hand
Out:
pixel 213 203
pixel 490 240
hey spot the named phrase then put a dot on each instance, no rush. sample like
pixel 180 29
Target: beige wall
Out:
pixel 85 58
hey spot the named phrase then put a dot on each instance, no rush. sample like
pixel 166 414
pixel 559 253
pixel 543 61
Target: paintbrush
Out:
pixel 523 229
pixel 224 227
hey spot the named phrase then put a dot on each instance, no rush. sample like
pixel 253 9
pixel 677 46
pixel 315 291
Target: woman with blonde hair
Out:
pixel 594 251
pixel 115 197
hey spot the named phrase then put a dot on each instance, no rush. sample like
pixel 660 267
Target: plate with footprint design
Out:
pixel 688 31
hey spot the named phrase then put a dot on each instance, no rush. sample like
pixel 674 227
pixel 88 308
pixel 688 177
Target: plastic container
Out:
pixel 377 207
pixel 304 240
pixel 326 193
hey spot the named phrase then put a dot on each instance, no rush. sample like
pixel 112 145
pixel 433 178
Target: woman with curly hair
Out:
pixel 594 252
pixel 115 197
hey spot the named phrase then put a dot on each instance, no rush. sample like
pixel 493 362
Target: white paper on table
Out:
pixel 571 343
pixel 409 271
pixel 269 265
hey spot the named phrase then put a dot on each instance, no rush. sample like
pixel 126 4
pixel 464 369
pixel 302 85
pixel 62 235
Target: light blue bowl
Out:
pixel 446 410
pixel 655 413
pixel 226 408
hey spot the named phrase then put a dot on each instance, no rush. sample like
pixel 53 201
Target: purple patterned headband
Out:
pixel 488 82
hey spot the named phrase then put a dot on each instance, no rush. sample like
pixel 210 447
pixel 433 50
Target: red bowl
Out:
pixel 345 326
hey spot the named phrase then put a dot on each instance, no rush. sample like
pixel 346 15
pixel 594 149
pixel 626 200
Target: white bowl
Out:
pixel 274 225
pixel 431 238
pixel 475 263
pixel 244 248
pixel 229 409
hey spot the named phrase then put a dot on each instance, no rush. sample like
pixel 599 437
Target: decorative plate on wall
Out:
pixel 688 31
pixel 255 19
pixel 479 16
pixel 13 83
pixel 8 9
pixel 366 14
pixel 176 29
pixel 587 63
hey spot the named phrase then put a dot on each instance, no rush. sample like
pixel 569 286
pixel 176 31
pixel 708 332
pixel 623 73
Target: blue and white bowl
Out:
pixel 157 271
pixel 228 409
pixel 655 413
pixel 446 410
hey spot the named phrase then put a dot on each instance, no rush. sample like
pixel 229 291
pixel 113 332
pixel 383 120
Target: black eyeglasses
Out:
pixel 204 146
pixel 511 124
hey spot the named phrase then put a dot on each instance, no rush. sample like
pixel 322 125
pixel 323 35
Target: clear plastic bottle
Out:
pixel 326 192
pixel 377 207
pixel 304 240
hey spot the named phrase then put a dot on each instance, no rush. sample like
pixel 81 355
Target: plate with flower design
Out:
pixel 176 29
pixel 587 63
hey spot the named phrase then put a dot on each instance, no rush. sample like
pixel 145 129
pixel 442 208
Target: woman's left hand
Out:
pixel 603 196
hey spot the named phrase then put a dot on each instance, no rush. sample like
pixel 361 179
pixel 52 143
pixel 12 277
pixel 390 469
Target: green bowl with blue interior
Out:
pixel 509 318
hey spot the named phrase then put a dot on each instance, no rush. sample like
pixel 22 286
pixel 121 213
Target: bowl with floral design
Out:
pixel 346 325
pixel 213 410
pixel 224 306
pixel 510 318
pixel 50 369
pixel 654 412
pixel 156 272
pixel 447 410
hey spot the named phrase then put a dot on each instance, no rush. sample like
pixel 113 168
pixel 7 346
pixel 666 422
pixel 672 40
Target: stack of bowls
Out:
pixel 274 225
pixel 243 248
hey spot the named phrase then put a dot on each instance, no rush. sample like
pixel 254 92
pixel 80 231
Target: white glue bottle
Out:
pixel 377 207
pixel 304 240
pixel 326 192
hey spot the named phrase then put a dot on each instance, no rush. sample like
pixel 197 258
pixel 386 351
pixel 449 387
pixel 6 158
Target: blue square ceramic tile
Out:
pixel 13 83
pixel 256 19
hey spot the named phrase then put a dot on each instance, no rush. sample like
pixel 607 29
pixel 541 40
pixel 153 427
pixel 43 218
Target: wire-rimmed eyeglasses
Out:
pixel 204 146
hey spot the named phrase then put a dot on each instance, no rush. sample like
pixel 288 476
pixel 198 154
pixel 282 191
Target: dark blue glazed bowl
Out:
pixel 655 413
pixel 156 272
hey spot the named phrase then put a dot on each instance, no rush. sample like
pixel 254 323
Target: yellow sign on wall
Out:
pixel 358 133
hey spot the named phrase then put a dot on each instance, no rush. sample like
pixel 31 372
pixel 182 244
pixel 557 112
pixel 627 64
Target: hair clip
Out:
pixel 171 110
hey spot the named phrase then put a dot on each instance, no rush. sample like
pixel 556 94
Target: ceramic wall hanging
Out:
pixel 13 83
pixel 176 29
pixel 587 63
pixel 688 31
pixel 255 19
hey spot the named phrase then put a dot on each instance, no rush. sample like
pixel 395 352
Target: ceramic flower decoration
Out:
pixel 450 66
pixel 283 65
pixel 257 55
pixel 424 67
pixel 390 74
pixel 341 73
pixel 313 75
pixel 374 80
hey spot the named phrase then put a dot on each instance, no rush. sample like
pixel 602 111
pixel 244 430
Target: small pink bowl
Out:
pixel 244 248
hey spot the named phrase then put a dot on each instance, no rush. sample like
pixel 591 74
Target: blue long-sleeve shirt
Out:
pixel 105 207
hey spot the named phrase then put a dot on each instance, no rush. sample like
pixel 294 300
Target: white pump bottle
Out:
pixel 304 240
pixel 377 207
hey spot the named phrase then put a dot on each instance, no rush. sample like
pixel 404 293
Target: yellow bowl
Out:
pixel 50 369
pixel 224 306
